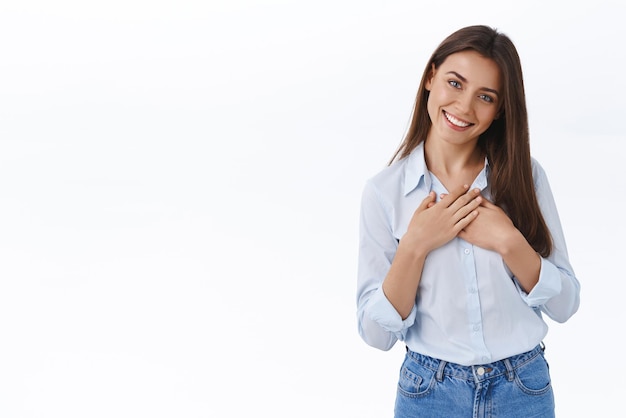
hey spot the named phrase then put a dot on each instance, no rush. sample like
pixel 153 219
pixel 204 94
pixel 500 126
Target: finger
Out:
pixel 465 221
pixel 454 194
pixel 463 210
pixel 428 201
pixel 463 200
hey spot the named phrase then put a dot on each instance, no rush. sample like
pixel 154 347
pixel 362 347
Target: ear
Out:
pixel 431 75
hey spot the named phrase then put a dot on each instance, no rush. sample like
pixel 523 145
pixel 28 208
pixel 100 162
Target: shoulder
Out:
pixel 385 187
pixel 389 176
pixel 403 175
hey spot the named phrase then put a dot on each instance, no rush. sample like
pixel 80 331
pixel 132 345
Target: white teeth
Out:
pixel 455 121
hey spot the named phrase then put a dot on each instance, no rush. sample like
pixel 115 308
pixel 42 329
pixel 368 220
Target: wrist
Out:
pixel 412 250
pixel 511 242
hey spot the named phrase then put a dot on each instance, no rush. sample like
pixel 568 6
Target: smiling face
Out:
pixel 464 98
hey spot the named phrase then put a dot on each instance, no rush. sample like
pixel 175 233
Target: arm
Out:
pixel 493 230
pixel 558 290
pixel 378 323
pixel 390 272
pixel 548 283
pixel 432 225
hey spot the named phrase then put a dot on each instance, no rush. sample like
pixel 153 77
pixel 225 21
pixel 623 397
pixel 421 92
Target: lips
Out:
pixel 456 121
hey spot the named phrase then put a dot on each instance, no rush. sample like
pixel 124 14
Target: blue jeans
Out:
pixel 518 386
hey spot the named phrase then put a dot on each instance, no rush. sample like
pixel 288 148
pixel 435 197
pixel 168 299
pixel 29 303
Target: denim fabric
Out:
pixel 517 387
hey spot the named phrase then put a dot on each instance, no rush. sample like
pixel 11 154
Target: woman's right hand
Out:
pixel 435 223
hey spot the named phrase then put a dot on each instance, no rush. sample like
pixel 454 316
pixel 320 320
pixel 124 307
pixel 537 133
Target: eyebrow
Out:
pixel 463 79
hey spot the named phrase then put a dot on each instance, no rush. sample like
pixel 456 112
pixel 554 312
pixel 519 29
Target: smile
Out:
pixel 455 121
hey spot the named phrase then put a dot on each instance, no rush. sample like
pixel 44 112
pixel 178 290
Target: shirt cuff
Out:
pixel 548 286
pixel 385 315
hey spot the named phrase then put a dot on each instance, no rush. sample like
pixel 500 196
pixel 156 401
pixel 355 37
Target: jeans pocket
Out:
pixel 533 377
pixel 415 380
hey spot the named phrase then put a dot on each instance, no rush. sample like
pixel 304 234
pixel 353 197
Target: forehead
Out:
pixel 475 68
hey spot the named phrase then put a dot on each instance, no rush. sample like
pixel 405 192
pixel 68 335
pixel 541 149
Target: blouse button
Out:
pixel 467 251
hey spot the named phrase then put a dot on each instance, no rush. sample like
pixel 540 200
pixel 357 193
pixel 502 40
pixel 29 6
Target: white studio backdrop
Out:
pixel 180 185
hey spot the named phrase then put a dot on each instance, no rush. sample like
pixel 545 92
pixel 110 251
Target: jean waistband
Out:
pixel 478 372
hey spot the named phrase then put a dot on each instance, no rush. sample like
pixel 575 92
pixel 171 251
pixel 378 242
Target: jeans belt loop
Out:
pixel 442 365
pixel 510 372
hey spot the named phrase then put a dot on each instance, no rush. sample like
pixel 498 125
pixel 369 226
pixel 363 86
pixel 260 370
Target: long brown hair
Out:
pixel 505 142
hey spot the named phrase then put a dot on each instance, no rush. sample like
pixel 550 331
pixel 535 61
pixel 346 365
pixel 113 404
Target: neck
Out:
pixel 453 164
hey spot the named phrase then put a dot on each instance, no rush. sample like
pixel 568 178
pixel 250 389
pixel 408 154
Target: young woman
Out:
pixel 461 248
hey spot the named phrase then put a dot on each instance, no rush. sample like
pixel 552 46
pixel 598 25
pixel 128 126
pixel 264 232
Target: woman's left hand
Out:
pixel 490 229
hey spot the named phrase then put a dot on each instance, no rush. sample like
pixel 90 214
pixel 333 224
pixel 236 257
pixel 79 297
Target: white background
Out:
pixel 180 185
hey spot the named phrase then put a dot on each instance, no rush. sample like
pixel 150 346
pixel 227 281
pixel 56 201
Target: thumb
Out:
pixel 428 201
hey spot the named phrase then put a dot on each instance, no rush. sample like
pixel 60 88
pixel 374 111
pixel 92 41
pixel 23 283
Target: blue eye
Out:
pixel 455 84
pixel 486 98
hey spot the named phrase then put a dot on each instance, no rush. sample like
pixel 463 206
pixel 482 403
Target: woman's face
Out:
pixel 465 95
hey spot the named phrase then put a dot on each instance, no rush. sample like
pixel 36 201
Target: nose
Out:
pixel 464 102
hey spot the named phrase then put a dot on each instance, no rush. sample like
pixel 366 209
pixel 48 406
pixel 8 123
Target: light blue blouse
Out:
pixel 469 307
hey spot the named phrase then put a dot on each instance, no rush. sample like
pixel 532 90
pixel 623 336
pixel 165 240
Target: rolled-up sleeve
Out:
pixel 557 293
pixel 380 325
